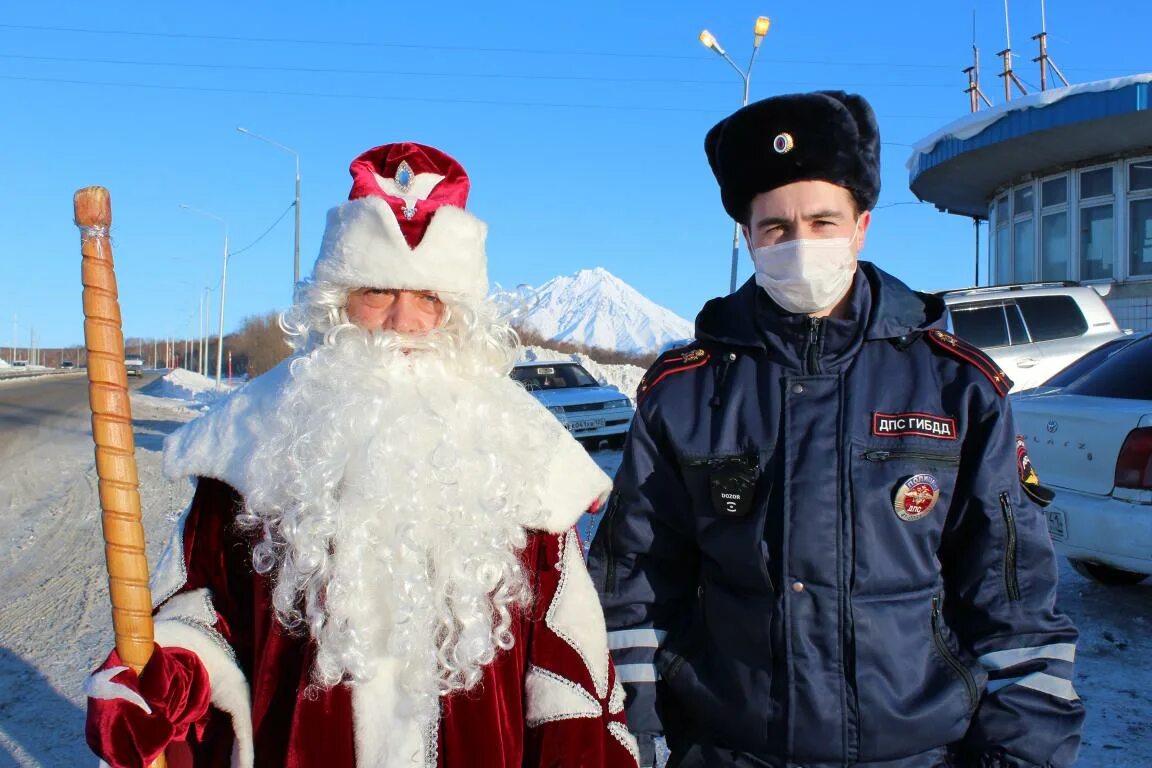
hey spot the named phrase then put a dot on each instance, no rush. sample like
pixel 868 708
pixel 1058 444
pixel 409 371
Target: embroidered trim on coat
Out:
pixel 621 733
pixel 568 618
pixel 550 697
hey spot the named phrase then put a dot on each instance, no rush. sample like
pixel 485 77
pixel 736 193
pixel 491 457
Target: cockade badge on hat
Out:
pixel 783 143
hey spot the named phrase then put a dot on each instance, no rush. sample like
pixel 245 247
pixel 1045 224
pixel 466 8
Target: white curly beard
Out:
pixel 393 490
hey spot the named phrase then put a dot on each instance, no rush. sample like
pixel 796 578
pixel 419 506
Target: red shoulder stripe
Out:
pixel 968 352
pixel 673 361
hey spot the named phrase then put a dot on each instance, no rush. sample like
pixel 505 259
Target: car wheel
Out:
pixel 1106 574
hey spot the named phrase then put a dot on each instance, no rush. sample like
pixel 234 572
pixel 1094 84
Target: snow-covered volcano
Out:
pixel 597 309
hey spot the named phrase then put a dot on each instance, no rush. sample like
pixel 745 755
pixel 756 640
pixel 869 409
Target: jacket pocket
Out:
pixel 951 658
pixel 914 691
pixel 901 496
pixel 1011 582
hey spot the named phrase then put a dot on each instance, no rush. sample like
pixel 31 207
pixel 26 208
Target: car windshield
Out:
pixel 1121 375
pixel 553 376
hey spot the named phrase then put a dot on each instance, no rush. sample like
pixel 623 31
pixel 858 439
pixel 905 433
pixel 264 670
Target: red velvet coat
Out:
pixel 552 700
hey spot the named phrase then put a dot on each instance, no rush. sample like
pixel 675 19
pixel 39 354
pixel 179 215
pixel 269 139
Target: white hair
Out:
pixel 393 491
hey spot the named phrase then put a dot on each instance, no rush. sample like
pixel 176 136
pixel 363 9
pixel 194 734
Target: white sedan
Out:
pixel 1090 441
pixel 593 411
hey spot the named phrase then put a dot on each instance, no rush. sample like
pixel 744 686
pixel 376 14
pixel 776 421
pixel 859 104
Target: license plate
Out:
pixel 582 424
pixel 1056 528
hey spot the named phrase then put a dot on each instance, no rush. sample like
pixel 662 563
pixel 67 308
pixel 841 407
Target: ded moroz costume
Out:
pixel 824 545
pixel 378 567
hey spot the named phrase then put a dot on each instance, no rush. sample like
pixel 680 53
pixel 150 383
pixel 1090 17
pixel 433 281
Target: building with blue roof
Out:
pixel 1064 179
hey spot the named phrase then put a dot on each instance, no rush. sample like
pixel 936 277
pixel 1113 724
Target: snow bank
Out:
pixel 624 377
pixel 182 388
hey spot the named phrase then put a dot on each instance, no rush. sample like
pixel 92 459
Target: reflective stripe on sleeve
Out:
pixel 636 638
pixel 636 673
pixel 1013 656
pixel 1038 681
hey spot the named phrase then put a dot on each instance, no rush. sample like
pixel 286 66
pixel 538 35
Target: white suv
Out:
pixel 1031 330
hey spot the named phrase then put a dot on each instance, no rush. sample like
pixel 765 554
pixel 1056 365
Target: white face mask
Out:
pixel 806 276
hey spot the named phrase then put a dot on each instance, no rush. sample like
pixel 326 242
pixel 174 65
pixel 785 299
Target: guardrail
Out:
pixel 24 373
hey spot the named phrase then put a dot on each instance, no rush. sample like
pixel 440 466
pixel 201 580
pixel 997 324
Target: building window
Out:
pixel 1097 243
pixel 1002 256
pixel 1097 224
pixel 1140 238
pixel 1023 235
pixel 1096 183
pixel 1140 218
pixel 1140 176
pixel 1024 250
pixel 1054 246
pixel 1054 192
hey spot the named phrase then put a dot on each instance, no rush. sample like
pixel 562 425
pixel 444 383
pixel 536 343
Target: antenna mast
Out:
pixel 973 72
pixel 1044 59
pixel 1009 76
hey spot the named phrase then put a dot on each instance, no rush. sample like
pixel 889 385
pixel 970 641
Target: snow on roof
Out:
pixel 972 124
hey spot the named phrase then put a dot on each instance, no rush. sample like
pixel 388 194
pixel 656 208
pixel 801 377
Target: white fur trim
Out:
pixel 364 246
pixel 386 735
pixel 549 697
pixel 99 685
pixel 573 481
pixel 220 444
pixel 621 733
pixel 576 617
pixel 171 572
pixel 179 624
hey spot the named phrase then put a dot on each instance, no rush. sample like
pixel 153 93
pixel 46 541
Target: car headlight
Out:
pixel 556 409
pixel 625 403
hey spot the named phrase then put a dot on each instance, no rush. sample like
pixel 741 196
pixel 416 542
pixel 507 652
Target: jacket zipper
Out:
pixel 1011 583
pixel 812 356
pixel 610 567
pixel 888 455
pixel 950 657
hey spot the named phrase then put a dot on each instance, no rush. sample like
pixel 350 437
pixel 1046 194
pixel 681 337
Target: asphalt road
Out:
pixel 30 402
pixel 40 420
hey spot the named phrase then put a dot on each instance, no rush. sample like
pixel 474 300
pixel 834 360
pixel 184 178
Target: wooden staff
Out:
pixel 119 483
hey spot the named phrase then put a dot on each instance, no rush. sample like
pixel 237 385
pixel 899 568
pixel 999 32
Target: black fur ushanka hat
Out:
pixel 827 136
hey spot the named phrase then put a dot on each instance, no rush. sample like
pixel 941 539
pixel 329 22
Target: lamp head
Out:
pixel 709 40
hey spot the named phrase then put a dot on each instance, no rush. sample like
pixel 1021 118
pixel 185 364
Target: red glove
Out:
pixel 132 719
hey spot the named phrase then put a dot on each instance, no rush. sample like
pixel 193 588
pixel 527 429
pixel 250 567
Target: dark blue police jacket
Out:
pixel 818 551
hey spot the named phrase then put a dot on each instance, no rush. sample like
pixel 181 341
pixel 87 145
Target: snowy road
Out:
pixel 55 623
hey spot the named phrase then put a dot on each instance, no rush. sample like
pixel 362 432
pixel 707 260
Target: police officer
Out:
pixel 824 545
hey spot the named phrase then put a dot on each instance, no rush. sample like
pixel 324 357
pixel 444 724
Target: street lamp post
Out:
pixel 296 155
pixel 223 289
pixel 710 41
pixel 202 332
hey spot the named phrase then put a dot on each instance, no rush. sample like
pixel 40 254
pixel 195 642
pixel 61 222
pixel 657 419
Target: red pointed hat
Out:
pixel 404 226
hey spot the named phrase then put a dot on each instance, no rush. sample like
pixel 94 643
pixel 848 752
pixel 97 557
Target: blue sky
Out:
pixel 581 125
